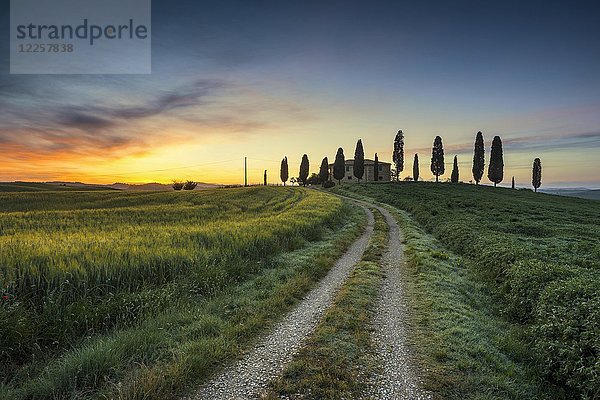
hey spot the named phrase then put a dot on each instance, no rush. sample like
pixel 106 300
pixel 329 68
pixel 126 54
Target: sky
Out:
pixel 268 79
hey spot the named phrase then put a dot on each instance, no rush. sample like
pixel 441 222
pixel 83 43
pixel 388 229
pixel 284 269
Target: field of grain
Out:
pixel 75 265
pixel 538 257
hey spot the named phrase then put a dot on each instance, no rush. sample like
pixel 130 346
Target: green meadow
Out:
pixel 137 295
pixel 146 295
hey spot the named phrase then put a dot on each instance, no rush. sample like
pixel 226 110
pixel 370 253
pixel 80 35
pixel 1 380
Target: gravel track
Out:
pixel 249 377
pixel 397 378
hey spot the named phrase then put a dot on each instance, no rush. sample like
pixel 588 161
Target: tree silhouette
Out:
pixel 478 158
pixel 398 154
pixel 190 185
pixel 324 171
pixel 359 161
pixel 454 176
pixel 496 167
pixel 265 178
pixel 416 168
pixel 284 172
pixel 513 183
pixel 376 168
pixel 313 179
pixel 437 158
pixel 339 166
pixel 304 167
pixel 177 185
pixel 537 174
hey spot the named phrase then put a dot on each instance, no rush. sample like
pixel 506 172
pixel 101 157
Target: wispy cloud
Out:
pixel 528 142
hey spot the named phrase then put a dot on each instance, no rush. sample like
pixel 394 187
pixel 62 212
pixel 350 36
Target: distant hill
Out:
pixel 156 186
pixel 75 186
pixel 591 194
pixel 48 186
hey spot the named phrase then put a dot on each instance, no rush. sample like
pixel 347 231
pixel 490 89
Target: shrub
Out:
pixel 566 327
pixel 525 282
pixel 178 185
pixel 190 185
pixel 328 184
pixel 313 179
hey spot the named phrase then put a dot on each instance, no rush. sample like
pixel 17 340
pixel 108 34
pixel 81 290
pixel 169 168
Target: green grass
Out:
pixel 526 292
pixel 166 335
pixel 339 354
pixel 467 351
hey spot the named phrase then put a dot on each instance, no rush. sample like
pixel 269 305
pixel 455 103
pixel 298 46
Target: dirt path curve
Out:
pixel 398 379
pixel 251 375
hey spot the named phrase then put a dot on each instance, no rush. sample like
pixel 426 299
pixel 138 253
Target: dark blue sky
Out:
pixel 294 72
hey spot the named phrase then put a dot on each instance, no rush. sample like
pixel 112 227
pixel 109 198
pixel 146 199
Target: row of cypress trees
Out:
pixel 495 168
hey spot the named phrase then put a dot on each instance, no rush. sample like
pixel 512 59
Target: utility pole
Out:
pixel 245 171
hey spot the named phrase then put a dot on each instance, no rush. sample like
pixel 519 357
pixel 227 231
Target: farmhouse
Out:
pixel 369 175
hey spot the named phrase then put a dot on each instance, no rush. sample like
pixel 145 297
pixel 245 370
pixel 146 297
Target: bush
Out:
pixel 525 282
pixel 328 184
pixel 177 185
pixel 313 179
pixel 190 185
pixel 566 327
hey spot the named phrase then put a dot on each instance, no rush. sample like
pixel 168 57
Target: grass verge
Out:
pixel 466 351
pixel 166 355
pixel 338 356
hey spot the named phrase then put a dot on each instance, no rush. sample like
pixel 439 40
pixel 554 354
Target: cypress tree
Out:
pixel 359 161
pixel 376 168
pixel 496 167
pixel 398 153
pixel 284 172
pixel 339 166
pixel 437 158
pixel 478 158
pixel 304 167
pixel 324 171
pixel 537 174
pixel 454 176
pixel 265 178
pixel 513 183
pixel 416 168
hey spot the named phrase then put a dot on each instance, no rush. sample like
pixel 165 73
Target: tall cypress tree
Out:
pixel 359 161
pixel 265 178
pixel 496 167
pixel 304 167
pixel 512 185
pixel 376 168
pixel 416 168
pixel 398 154
pixel 437 158
pixel 339 166
pixel 284 172
pixel 537 174
pixel 454 176
pixel 324 171
pixel 478 158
